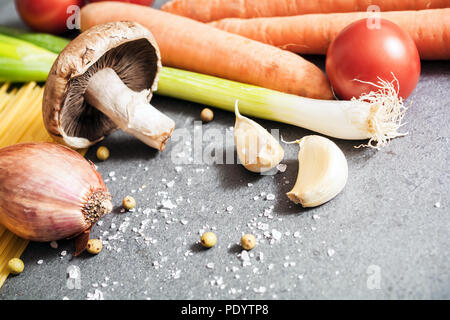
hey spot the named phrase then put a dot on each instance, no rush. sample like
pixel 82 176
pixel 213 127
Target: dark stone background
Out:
pixel 391 220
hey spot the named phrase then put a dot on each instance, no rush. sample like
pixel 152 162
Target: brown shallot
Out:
pixel 50 192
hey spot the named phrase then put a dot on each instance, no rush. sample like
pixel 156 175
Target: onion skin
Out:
pixel 49 192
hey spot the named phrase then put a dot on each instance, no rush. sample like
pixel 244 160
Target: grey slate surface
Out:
pixel 390 223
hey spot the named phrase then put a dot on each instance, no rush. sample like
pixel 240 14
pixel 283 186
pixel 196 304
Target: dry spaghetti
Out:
pixel 20 121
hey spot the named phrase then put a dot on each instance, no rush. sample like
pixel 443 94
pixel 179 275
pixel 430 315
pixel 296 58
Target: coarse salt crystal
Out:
pixel 167 204
pixel 276 234
pixel 245 256
pixel 331 252
pixel 270 197
pixel 260 289
pixel 170 184
pixel 97 295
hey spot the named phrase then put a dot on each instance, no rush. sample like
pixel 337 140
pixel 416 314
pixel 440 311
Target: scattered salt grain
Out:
pixel 281 167
pixel 331 252
pixel 437 205
pixel 170 184
pixel 276 234
pixel 260 290
pixel 270 197
pixel 167 204
pixel 40 261
pixel 176 274
pixel 245 256
pixel 210 265
pixel 97 295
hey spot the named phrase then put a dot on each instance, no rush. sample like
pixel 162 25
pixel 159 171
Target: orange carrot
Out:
pixel 313 33
pixel 210 10
pixel 191 45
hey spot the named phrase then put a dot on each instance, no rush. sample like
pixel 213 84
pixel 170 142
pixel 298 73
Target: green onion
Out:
pixel 47 41
pixel 13 70
pixel 22 61
pixel 375 116
pixel 22 50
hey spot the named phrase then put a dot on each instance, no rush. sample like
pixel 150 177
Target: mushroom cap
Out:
pixel 126 47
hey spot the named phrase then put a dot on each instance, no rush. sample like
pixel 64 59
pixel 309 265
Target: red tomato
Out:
pixel 46 15
pixel 142 2
pixel 365 53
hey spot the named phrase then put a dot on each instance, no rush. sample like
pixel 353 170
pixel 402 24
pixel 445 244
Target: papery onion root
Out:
pixel 386 112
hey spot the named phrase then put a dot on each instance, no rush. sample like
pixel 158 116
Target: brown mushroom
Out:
pixel 103 80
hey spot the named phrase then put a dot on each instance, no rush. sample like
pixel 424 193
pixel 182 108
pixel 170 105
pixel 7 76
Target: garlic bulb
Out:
pixel 322 172
pixel 257 149
pixel 50 192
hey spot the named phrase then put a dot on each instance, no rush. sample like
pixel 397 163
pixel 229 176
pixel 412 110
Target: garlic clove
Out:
pixel 322 172
pixel 257 149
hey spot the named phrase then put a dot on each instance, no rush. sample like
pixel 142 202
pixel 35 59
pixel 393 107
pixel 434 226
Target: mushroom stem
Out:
pixel 130 110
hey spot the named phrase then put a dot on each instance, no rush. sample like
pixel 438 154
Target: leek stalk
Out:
pixel 13 70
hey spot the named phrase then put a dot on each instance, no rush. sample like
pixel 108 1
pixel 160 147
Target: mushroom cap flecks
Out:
pixel 126 47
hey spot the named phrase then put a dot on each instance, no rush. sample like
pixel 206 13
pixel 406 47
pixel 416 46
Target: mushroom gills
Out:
pixel 128 109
